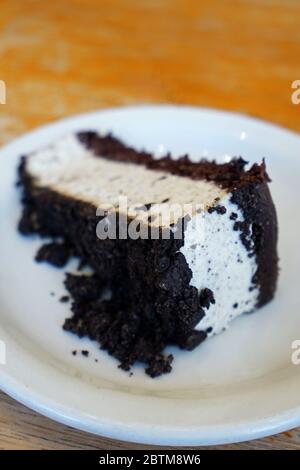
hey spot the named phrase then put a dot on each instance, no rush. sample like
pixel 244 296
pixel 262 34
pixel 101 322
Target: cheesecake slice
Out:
pixel 183 247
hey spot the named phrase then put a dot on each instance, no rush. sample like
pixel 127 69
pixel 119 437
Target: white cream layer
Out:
pixel 219 261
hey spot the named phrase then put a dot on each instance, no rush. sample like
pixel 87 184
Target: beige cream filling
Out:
pixel 69 169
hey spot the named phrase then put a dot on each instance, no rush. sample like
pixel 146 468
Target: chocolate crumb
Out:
pixel 83 287
pixel 196 338
pixel 206 298
pixel 159 365
pixel 218 209
pixel 56 254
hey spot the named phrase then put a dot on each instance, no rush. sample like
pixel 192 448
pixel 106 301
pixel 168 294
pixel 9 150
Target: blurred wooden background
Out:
pixel 64 57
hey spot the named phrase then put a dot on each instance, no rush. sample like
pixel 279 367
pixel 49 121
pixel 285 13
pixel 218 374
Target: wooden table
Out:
pixel 65 57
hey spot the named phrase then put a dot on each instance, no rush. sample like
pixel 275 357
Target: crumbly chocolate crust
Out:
pixel 57 254
pixel 152 304
pixel 261 221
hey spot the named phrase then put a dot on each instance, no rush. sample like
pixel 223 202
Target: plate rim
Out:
pixel 282 422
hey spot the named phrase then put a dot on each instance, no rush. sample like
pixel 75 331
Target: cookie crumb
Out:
pixel 56 254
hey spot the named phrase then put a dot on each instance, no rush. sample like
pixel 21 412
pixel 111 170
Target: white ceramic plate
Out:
pixel 237 386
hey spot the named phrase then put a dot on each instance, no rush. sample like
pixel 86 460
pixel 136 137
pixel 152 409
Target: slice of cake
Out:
pixel 183 247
